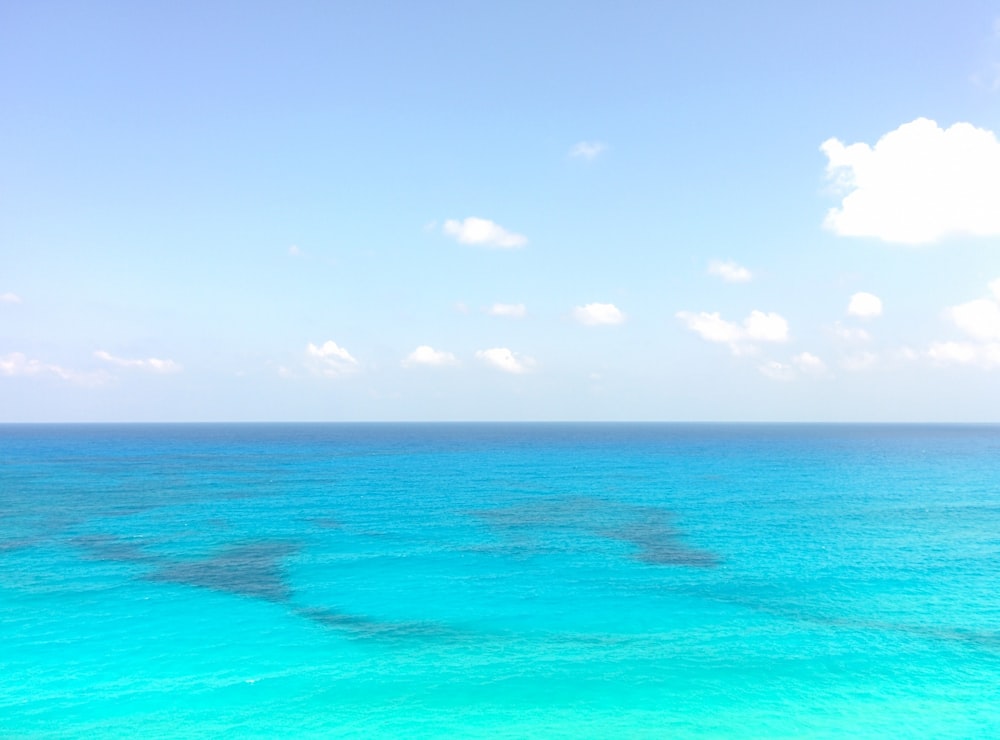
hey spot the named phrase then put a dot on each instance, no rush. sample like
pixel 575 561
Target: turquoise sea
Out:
pixel 499 580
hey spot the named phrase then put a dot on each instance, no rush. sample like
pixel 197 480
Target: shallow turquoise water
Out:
pixel 499 580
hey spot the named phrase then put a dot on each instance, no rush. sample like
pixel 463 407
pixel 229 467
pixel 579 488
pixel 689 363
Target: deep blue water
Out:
pixel 499 580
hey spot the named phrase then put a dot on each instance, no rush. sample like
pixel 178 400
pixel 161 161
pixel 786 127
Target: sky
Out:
pixel 306 211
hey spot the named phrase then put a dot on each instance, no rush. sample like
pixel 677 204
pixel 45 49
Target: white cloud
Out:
pixel 809 363
pixel 151 364
pixel 588 150
pixel 294 251
pixel 16 364
pixel 10 298
pixel 864 305
pixel 598 314
pixel 918 184
pixel 427 355
pixel 508 310
pixel 965 353
pixel 330 360
pixel 776 370
pixel 757 327
pixel 729 271
pixel 980 319
pixel 850 333
pixel 483 231
pixel 503 359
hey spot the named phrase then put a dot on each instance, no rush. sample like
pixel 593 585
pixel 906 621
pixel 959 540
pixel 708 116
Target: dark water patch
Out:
pixel 368 628
pixel 111 548
pixel 649 530
pixel 326 522
pixel 252 570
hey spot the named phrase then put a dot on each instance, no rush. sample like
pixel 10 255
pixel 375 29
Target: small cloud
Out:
pixel 809 363
pixel 757 327
pixel 294 251
pixel 151 364
pixel 588 150
pixel 850 333
pixel 9 298
pixel 428 356
pixel 965 353
pixel 482 231
pixel 729 271
pixel 330 360
pixel 17 364
pixel 508 310
pixel 503 359
pixel 980 319
pixel 598 314
pixel 776 371
pixel 864 306
pixel 918 184
pixel 461 307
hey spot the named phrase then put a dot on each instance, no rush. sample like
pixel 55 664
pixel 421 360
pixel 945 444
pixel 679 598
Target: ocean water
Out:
pixel 499 580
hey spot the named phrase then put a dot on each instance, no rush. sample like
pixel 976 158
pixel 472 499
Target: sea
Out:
pixel 499 580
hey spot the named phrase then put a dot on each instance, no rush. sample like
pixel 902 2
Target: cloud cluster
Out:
pixel 151 364
pixel 729 271
pixel 508 310
pixel 980 321
pixel 918 184
pixel 757 327
pixel 429 357
pixel 503 359
pixel 330 360
pixel 17 364
pixel 588 150
pixel 598 314
pixel 483 232
pixel 864 306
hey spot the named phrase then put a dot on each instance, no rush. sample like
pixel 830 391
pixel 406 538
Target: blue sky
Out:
pixel 443 211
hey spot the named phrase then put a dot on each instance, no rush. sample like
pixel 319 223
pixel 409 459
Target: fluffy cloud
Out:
pixel 10 298
pixel 864 305
pixel 776 370
pixel 859 361
pixel 587 150
pixel 757 327
pixel 918 184
pixel 809 363
pixel 729 271
pixel 503 359
pixel 508 310
pixel 151 364
pixel 428 356
pixel 330 360
pixel 483 232
pixel 598 314
pixel 965 353
pixel 850 333
pixel 980 319
pixel 16 364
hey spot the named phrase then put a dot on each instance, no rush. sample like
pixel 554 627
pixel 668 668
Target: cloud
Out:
pixel 850 333
pixel 598 314
pixel 294 251
pixel 864 305
pixel 508 310
pixel 16 364
pixel 484 232
pixel 10 298
pixel 918 184
pixel 151 364
pixel 965 353
pixel 428 356
pixel 330 360
pixel 809 363
pixel 980 319
pixel 776 370
pixel 588 150
pixel 757 327
pixel 729 271
pixel 503 359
